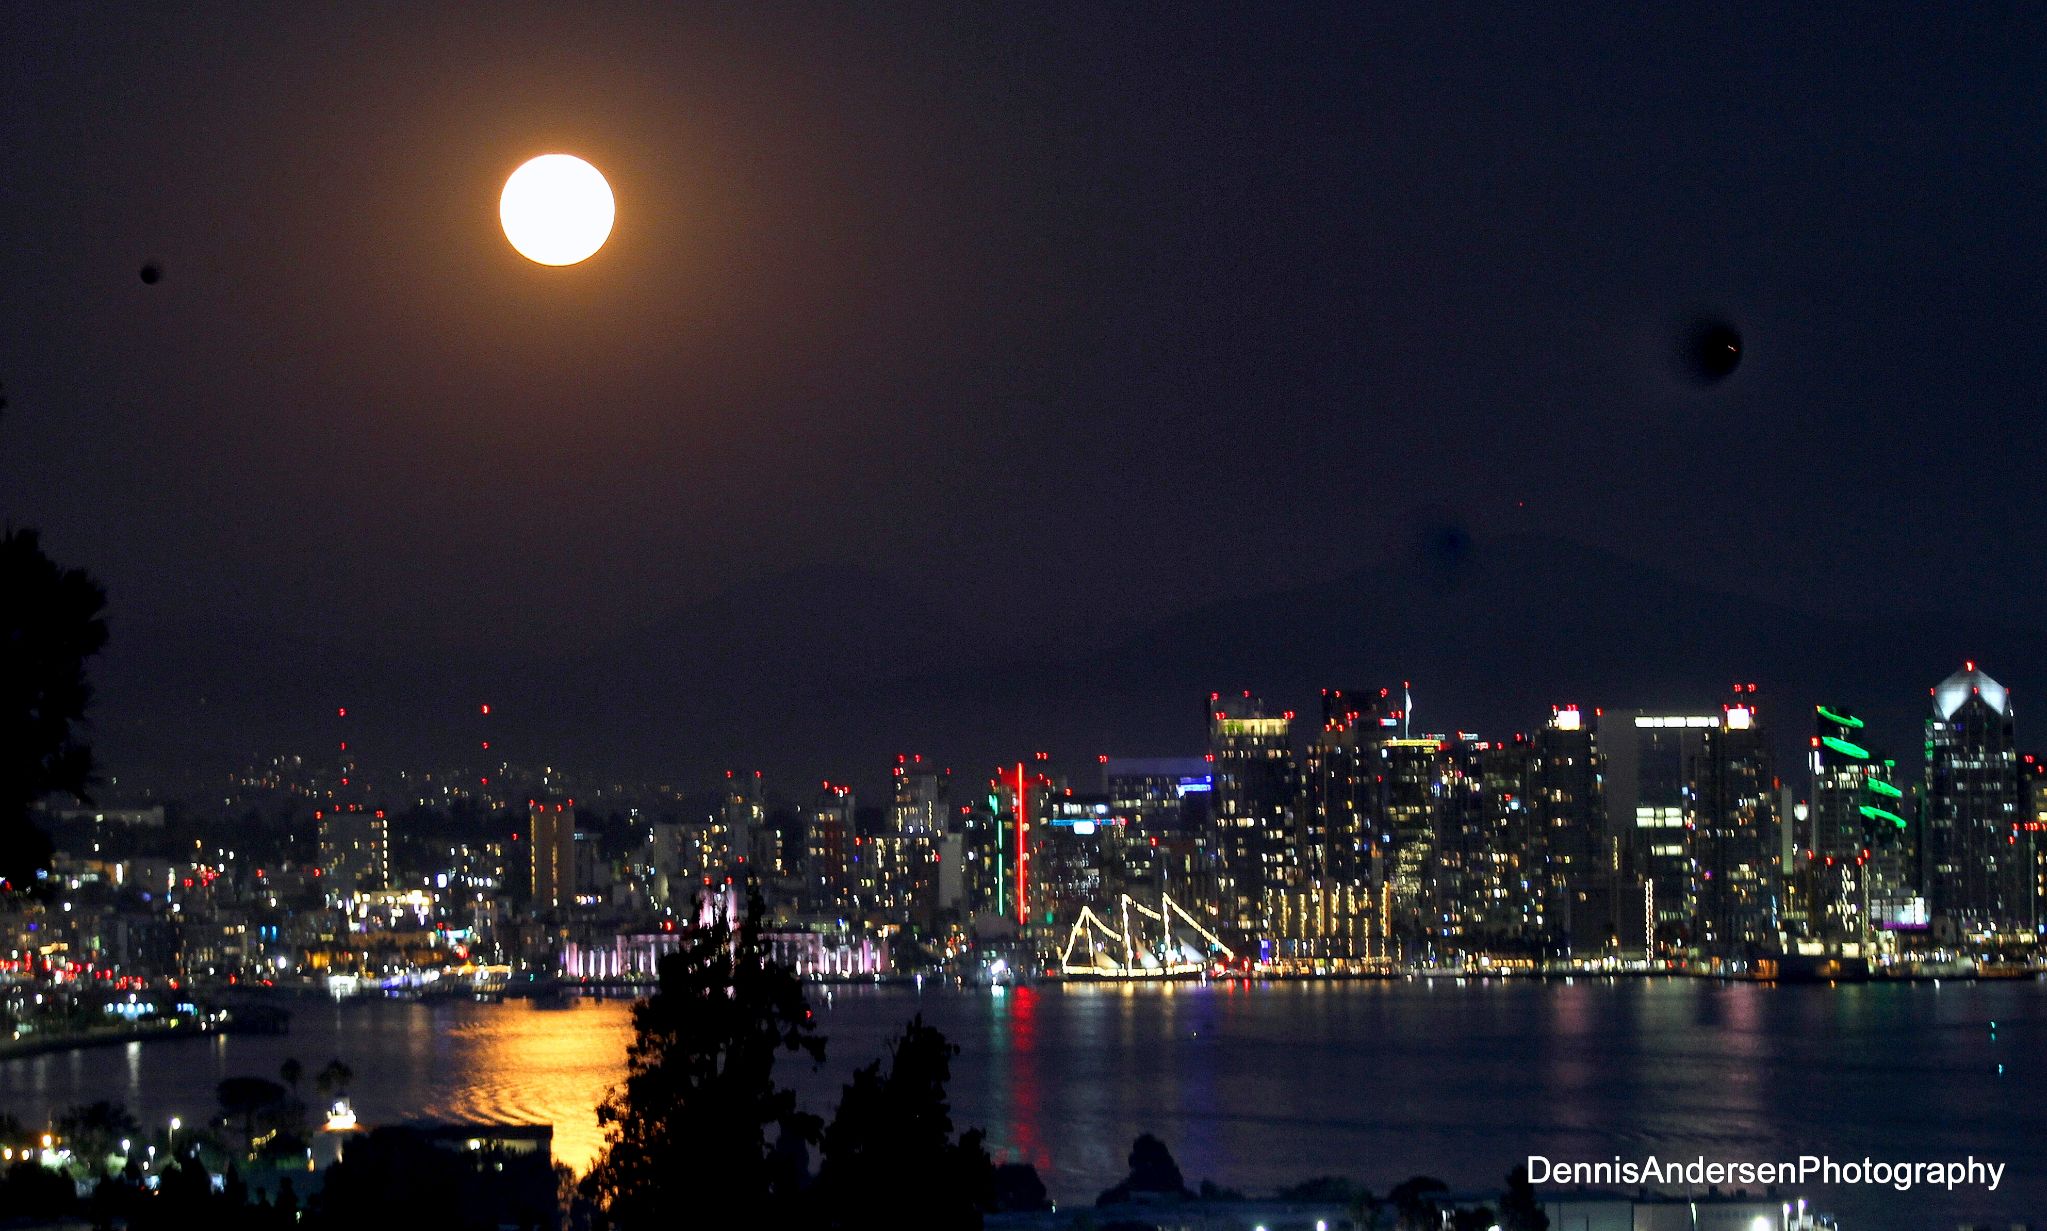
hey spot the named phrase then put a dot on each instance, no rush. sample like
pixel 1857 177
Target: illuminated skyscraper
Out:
pixel 1485 851
pixel 554 854
pixel 1974 885
pixel 1256 796
pixel 1734 834
pixel 1168 844
pixel 1578 861
pixel 1345 841
pixel 917 827
pixel 355 851
pixel 828 851
pixel 1649 761
pixel 1410 767
pixel 1854 859
pixel 743 826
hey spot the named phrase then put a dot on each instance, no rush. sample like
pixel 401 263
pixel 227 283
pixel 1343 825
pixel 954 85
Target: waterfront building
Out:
pixel 1734 834
pixel 917 824
pixel 1169 845
pixel 553 848
pixel 1976 886
pixel 742 825
pixel 355 850
pixel 1345 839
pixel 1650 759
pixel 1076 843
pixel 1853 860
pixel 1409 775
pixel 1256 798
pixel 1577 860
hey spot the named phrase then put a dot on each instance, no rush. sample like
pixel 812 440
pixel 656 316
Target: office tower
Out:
pixel 355 851
pixel 1649 762
pixel 1576 862
pixel 917 823
pixel 554 854
pixel 1974 886
pixel 1460 842
pixel 1512 915
pixel 1168 843
pixel 1073 848
pixel 828 851
pixel 742 826
pixel 1344 842
pixel 1255 799
pixel 1852 869
pixel 979 831
pixel 1018 797
pixel 1734 835
pixel 2032 837
pixel 1409 769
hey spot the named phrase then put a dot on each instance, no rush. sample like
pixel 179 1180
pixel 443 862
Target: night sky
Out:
pixel 970 380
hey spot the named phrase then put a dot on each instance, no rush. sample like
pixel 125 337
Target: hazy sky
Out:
pixel 1038 319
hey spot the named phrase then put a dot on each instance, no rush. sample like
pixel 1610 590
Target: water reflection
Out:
pixel 1257 1086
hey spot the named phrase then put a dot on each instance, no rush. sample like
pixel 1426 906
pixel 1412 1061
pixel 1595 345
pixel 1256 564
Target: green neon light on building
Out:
pixel 1878 814
pixel 1884 788
pixel 1847 720
pixel 1845 748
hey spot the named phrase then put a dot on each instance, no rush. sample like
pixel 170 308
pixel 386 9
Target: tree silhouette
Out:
pixel 94 1131
pixel 50 623
pixel 248 1097
pixel 1153 1174
pixel 1414 1202
pixel 291 1072
pixel 334 1078
pixel 1018 1190
pixel 687 1131
pixel 889 1152
pixel 1519 1208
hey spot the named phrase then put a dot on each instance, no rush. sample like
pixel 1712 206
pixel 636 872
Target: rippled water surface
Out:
pixel 1257 1086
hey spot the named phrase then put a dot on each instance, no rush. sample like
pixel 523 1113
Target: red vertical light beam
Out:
pixel 1022 854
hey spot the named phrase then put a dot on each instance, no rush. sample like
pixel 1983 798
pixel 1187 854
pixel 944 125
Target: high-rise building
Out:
pixel 828 851
pixel 742 826
pixel 1345 840
pixel 554 854
pixel 1169 846
pixel 1486 850
pixel 1256 798
pixel 1974 884
pixel 1734 835
pixel 1852 865
pixel 1577 861
pixel 1074 846
pixel 1410 768
pixel 2032 836
pixel 1650 760
pixel 917 826
pixel 355 851
pixel 1017 797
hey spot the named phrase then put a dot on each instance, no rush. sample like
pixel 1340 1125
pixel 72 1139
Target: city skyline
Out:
pixel 1232 603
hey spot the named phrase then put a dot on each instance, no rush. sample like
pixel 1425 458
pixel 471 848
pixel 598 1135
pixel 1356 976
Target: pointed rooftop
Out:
pixel 1955 691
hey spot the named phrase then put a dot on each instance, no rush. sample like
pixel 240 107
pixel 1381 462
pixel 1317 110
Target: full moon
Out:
pixel 556 209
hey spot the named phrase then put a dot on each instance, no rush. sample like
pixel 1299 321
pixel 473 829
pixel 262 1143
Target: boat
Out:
pixel 1095 950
